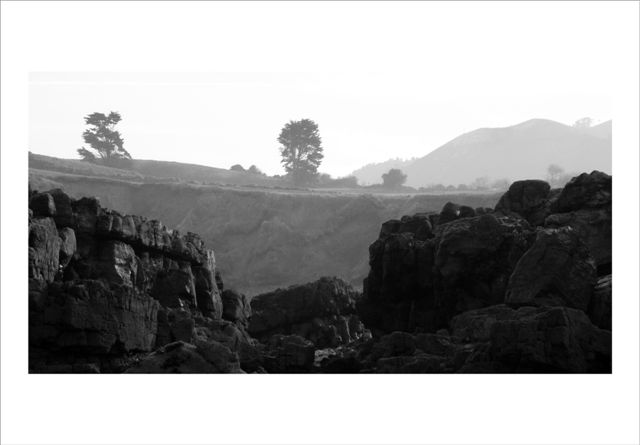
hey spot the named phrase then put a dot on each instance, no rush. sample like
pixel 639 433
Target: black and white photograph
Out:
pixel 393 222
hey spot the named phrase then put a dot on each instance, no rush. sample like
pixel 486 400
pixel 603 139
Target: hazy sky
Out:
pixel 494 72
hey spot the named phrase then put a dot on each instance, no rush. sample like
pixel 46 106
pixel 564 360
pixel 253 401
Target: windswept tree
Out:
pixel 394 178
pixel 104 141
pixel 301 150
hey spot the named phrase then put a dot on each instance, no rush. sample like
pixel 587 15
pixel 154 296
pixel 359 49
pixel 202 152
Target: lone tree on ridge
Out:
pixel 104 141
pixel 301 150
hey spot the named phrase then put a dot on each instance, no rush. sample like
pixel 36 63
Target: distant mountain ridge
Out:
pixel 520 151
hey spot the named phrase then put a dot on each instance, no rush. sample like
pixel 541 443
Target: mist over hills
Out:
pixel 372 173
pixel 517 152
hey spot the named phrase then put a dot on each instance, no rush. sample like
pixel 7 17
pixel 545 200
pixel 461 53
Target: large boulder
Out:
pixel 585 205
pixel 315 310
pixel 556 270
pixel 86 212
pixel 44 250
pixel 63 208
pixel 400 283
pixel 42 205
pixel 586 191
pixel 419 225
pixel 528 199
pixel 419 284
pixel 593 226
pixel 289 354
pixel 175 324
pixel 533 339
pixel 90 317
pixel 474 258
pixel 450 212
pixel 551 340
pixel 236 307
pixel 184 358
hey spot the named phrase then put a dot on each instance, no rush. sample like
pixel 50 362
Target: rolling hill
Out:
pixel 518 152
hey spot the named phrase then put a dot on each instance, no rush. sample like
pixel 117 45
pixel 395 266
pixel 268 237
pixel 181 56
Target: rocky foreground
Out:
pixel 523 287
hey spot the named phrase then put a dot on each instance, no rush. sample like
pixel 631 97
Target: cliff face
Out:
pixel 264 239
pixel 524 287
pixel 110 292
pixel 102 283
pixel 527 286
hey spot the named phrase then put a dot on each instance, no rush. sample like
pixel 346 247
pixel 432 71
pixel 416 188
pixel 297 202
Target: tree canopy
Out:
pixel 301 150
pixel 394 178
pixel 104 141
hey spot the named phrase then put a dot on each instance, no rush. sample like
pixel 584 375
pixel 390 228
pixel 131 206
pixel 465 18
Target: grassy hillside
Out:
pixel 155 171
pixel 522 151
pixel 201 173
pixel 263 238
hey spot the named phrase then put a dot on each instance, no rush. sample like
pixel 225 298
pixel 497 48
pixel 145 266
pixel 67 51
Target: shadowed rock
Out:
pixel 185 358
pixel 529 339
pixel 44 249
pixel 600 307
pixel 42 205
pixel 586 191
pixel 556 270
pixel 88 316
pixel 105 286
pixel 320 311
pixel 289 353
pixel 529 199
pixel 236 307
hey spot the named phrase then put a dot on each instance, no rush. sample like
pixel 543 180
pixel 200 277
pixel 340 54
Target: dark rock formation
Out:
pixel 459 278
pixel 586 191
pixel 93 316
pixel 420 284
pixel 585 205
pixel 184 358
pixel 450 212
pixel 529 339
pixel 322 311
pixel 556 270
pixel 474 258
pixel 105 287
pixel 524 288
pixel 42 205
pixel 492 339
pixel 289 353
pixel 44 250
pixel 236 307
pixel 600 307
pixel 529 199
